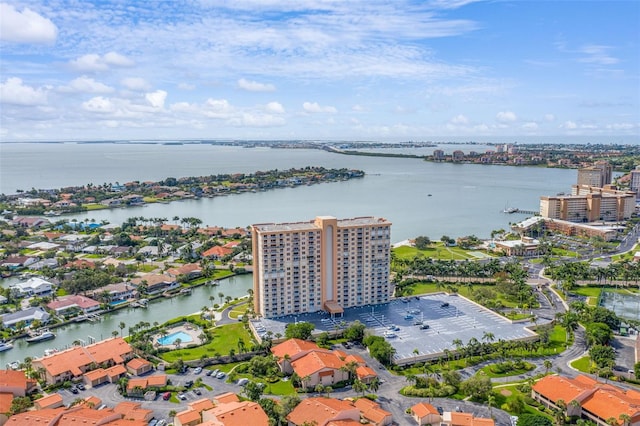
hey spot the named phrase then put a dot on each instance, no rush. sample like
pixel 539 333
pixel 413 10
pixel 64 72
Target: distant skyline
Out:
pixel 319 69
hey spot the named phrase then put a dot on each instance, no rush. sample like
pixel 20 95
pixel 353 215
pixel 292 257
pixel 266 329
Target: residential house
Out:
pixel 17 262
pixel 140 385
pixel 73 303
pixel 16 383
pixel 133 411
pixel 115 292
pixel 76 361
pixel 139 366
pixel 365 374
pixel 217 252
pixel 322 411
pixel 45 417
pixel 6 399
pixel 34 286
pixel 189 270
pixel 156 283
pixel 29 222
pixel 289 350
pixel 44 263
pixel 425 414
pixel 53 400
pixel 44 246
pixel 85 415
pixel 372 412
pixel 594 401
pixel 236 413
pixel 187 417
pixel 464 419
pixel 26 316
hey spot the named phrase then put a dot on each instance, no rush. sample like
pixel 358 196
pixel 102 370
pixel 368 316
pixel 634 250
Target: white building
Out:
pixel 33 286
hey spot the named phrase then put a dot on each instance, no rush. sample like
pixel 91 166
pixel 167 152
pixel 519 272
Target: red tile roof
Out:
pixel 6 399
pixel 322 410
pixel 423 409
pixel 292 347
pixel 315 361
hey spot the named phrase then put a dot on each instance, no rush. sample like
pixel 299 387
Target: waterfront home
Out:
pixel 114 292
pixel 156 283
pixel 16 262
pixel 322 411
pixel 44 263
pixel 133 199
pixel 43 245
pixel 74 362
pixel 111 202
pixel 30 222
pixel 34 286
pixel 594 401
pixel 189 270
pixel 16 383
pixel 26 316
pixel 75 302
pixel 53 400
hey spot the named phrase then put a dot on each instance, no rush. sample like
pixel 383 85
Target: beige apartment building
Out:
pixel 325 264
pixel 599 175
pixel 589 204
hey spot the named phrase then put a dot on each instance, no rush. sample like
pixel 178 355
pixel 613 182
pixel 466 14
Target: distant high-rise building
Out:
pixel 438 155
pixel 589 204
pixel 597 175
pixel 326 264
pixel 635 181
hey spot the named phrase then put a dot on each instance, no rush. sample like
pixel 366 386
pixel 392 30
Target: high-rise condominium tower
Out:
pixel 326 264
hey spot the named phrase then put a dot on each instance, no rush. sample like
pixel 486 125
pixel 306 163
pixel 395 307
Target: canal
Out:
pixel 159 310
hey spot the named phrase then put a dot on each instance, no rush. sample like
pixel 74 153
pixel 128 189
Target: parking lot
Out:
pixel 400 320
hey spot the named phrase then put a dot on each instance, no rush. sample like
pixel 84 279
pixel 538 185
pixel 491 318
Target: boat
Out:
pixel 13 365
pixel 50 351
pixel 5 346
pixel 80 318
pixel 510 210
pixel 185 291
pixel 40 336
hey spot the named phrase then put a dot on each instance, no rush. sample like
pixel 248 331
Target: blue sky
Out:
pixel 319 69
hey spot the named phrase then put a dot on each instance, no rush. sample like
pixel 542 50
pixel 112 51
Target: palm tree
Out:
pixel 221 296
pixel 625 418
pixel 547 366
pixel 177 342
pixel 374 384
pixel 491 400
pixel 122 326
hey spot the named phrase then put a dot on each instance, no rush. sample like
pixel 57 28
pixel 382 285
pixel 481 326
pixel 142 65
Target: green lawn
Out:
pixel 582 364
pixel 463 289
pixel 94 206
pixel 225 338
pixel 238 310
pixel 487 370
pixel 437 250
pixel 504 394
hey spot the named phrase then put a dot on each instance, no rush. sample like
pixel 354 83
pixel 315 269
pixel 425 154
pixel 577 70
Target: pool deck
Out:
pixel 189 329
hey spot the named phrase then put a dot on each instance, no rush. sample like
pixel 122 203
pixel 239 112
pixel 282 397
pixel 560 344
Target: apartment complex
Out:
pixel 598 175
pixel 589 204
pixel 635 181
pixel 325 264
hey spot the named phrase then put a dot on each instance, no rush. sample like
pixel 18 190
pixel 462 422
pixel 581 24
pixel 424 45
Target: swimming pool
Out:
pixel 171 338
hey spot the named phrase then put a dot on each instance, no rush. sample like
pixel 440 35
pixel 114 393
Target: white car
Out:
pixel 182 396
pixel 220 375
pixel 198 370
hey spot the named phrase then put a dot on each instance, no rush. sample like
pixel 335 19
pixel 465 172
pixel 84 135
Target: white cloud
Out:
pixel 460 119
pixel 99 104
pixel 254 86
pixel 549 117
pixel 530 126
pixel 217 108
pixel 118 60
pixel 314 107
pixel 248 119
pixel 506 117
pixel 135 83
pixel 86 84
pixel 186 86
pixel 358 108
pixel 597 54
pixel 156 99
pixel 26 26
pixel 274 108
pixel 13 91
pixel 93 62
pixel 569 125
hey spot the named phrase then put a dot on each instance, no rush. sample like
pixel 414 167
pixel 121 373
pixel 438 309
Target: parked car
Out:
pixel 182 396
pixel 161 422
pixel 209 372
pixel 215 372
pixel 74 390
pixel 166 396
pixel 197 391
pixel 424 327
pixel 220 375
pixel 153 422
pixel 445 305
pixel 80 386
pixel 198 370
pixel 243 381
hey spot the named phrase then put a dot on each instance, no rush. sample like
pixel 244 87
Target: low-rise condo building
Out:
pixel 589 204
pixel 326 264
